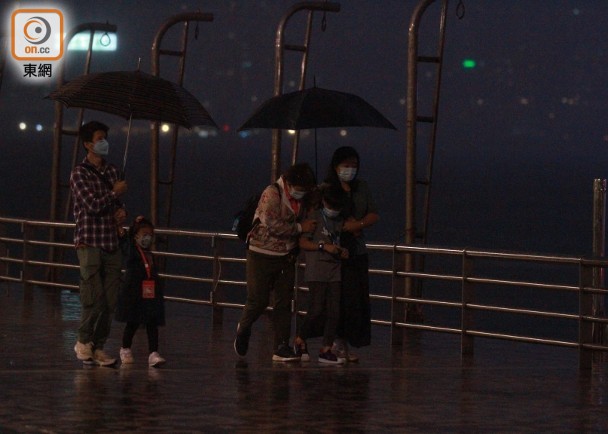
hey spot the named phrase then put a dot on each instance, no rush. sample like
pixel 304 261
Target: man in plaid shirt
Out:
pixel 99 215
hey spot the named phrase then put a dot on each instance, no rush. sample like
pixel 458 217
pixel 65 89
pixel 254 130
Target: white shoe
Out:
pixel 126 356
pixel 102 359
pixel 84 352
pixel 340 347
pixel 155 359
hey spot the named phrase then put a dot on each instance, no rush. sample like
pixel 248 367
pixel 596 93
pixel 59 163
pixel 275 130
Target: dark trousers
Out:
pixel 129 333
pixel 266 274
pixel 323 312
pixel 355 310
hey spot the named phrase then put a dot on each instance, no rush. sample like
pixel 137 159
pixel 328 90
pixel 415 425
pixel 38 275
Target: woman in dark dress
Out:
pixel 360 213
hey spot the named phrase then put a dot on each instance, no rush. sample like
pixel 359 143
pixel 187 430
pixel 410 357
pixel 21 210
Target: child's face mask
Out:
pixel 144 241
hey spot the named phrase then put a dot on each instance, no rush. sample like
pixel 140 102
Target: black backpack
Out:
pixel 243 220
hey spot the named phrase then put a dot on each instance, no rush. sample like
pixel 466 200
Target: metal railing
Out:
pixel 532 298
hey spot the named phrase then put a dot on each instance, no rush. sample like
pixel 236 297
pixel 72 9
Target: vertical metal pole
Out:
pixel 467 341
pixel 154 141
pixel 585 332
pixel 217 316
pixel 599 237
pixel 397 313
pixel 279 45
pixel 410 150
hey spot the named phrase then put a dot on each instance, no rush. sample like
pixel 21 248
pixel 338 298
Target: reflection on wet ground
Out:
pixel 423 386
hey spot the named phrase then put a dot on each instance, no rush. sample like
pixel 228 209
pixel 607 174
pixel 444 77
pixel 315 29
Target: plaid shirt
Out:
pixel 94 205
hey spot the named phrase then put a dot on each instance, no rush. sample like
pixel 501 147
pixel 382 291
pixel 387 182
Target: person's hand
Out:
pixel 332 249
pixel 309 225
pixel 353 226
pixel 120 187
pixel 343 253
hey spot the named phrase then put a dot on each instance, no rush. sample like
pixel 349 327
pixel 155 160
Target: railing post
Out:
pixel 599 237
pixel 397 309
pixel 467 341
pixel 585 328
pixel 217 314
pixel 26 273
pixel 3 252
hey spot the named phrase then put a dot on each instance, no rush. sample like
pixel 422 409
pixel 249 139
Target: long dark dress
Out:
pixel 355 308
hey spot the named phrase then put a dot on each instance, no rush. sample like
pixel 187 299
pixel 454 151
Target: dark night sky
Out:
pixel 520 139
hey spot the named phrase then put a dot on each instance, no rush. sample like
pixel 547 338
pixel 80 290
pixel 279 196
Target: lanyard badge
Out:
pixel 148 285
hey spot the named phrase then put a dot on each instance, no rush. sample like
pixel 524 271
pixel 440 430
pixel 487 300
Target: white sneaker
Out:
pixel 126 356
pixel 84 352
pixel 340 347
pixel 102 359
pixel 155 359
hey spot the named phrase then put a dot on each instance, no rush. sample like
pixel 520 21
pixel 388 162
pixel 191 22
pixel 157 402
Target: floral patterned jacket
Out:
pixel 276 228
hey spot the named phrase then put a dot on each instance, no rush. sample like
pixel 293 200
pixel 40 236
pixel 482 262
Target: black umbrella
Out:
pixel 316 108
pixel 134 95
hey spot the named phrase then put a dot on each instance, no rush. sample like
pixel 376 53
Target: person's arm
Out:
pixel 84 192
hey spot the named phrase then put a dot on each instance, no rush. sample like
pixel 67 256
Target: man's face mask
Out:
pixel 101 147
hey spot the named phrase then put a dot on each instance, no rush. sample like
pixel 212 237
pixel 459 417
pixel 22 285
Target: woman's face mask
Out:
pixel 101 147
pixel 296 194
pixel 346 174
pixel 144 241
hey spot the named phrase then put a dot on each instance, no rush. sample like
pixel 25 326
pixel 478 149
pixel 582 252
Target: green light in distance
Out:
pixel 469 64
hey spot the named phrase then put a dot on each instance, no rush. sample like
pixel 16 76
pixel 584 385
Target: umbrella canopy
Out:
pixel 316 108
pixel 134 95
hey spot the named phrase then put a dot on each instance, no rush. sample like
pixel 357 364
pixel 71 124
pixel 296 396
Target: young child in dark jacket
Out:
pixel 324 256
pixel 140 299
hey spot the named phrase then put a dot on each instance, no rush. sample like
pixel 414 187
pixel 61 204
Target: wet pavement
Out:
pixel 423 386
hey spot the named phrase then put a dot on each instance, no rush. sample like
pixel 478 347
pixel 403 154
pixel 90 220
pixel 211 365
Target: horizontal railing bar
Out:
pixel 10 278
pixel 52 284
pixel 429 275
pixel 426 327
pixel 11 240
pixel 183 255
pixel 522 283
pixel 186 278
pixel 522 311
pixel 48 243
pixel 187 300
pixel 51 264
pixel 521 338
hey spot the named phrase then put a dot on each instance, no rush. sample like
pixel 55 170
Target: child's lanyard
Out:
pixel 333 236
pixel 147 264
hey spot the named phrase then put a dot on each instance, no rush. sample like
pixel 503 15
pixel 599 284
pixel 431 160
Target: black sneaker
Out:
pixel 329 358
pixel 301 351
pixel 241 342
pixel 284 354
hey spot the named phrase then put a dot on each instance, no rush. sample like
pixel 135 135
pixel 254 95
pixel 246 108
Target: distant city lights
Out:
pixel 22 126
pixel 39 127
pixel 469 63
pixel 165 128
